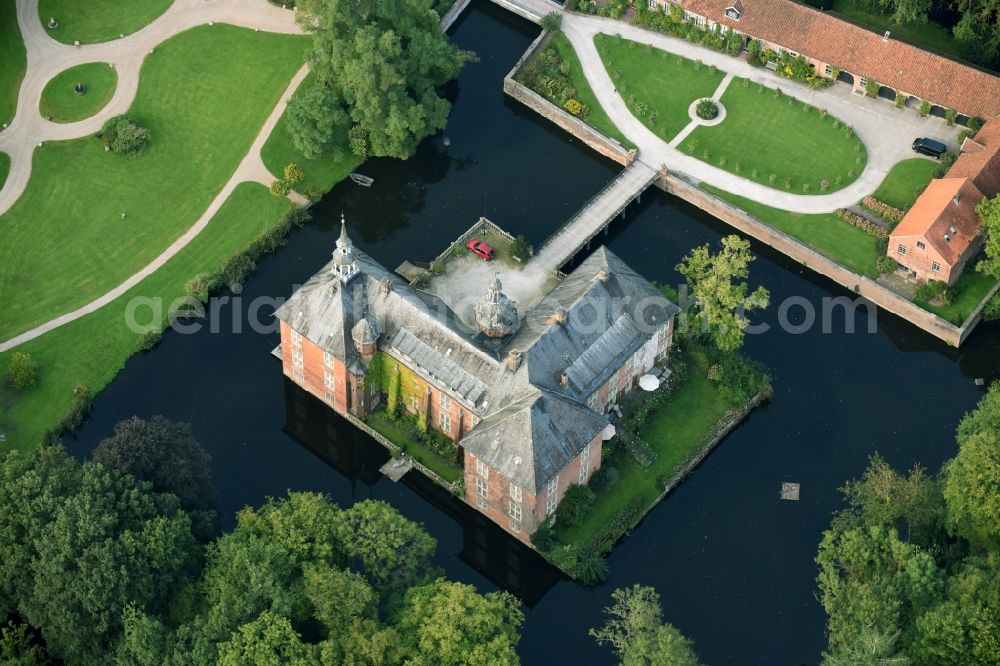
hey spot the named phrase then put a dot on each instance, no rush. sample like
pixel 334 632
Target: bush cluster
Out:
pixel 737 377
pixel 73 418
pixel 575 504
pixel 548 75
pixel 22 371
pixel 520 249
pixel 672 22
pixel 656 400
pixel 882 209
pixel 865 225
pixel 707 109
pixel 933 291
pixel 123 135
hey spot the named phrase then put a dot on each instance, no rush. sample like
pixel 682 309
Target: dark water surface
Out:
pixel 733 564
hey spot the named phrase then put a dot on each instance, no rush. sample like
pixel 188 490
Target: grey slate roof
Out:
pixel 525 413
pixel 529 441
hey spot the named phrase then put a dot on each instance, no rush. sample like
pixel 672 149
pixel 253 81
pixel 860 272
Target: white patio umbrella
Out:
pixel 649 383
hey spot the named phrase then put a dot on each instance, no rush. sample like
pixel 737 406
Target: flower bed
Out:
pixel 867 226
pixel 707 110
pixel 882 209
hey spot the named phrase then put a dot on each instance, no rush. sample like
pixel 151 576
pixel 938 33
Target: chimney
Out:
pixel 514 359
pixel 885 37
pixel 564 379
pixel 603 275
pixel 560 315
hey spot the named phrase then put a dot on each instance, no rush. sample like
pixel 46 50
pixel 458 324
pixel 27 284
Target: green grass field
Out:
pixel 65 240
pixel 969 292
pixel 826 233
pixel 93 349
pixel 674 433
pixel 391 431
pixel 60 101
pixel 321 173
pixel 4 168
pixel 657 87
pixel 763 135
pixel 98 20
pixel 905 182
pixel 13 60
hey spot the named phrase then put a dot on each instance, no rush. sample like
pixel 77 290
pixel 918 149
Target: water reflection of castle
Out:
pixel 489 549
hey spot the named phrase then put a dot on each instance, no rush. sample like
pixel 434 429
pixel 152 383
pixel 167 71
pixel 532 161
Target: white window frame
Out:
pixel 901 250
pixel 481 503
pixel 515 511
pixel 329 397
pixel 482 487
pixel 652 4
pixel 584 463
pixel 482 469
pixel 296 337
pixel 920 245
pixel 328 379
pixel 936 267
pixel 516 493
pixel 552 495
pixel 297 359
pixel 515 527
pixel 328 359
pixel 298 376
pixel 614 385
pixel 444 412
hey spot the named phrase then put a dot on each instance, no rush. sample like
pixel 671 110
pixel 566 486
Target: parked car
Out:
pixel 480 249
pixel 929 147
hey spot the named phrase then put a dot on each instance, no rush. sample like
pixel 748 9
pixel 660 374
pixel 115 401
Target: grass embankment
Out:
pixel 425 456
pixel 62 104
pixel 658 87
pixel 4 167
pixel 321 173
pixel 779 141
pixel 98 20
pixel 13 60
pixel 543 75
pixel 826 233
pixel 905 181
pixel 674 433
pixel 92 350
pixel 65 241
pixel 966 295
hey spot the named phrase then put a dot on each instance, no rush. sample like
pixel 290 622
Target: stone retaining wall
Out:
pixel 605 145
pixel 452 14
pixel 859 284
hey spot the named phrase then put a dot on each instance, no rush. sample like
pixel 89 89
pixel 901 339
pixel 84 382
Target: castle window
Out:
pixel 297 359
pixel 935 266
pixel 328 379
pixel 584 463
pixel 482 487
pixel 482 470
pixel 901 249
pixel 329 397
pixel 552 495
pixel 444 415
pixel 296 338
pixel 515 493
pixel 515 511
pixel 515 527
pixel 299 377
pixel 481 503
pixel 733 13
pixel 920 245
pixel 328 359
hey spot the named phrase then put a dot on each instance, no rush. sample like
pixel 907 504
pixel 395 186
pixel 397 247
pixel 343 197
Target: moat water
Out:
pixel 734 565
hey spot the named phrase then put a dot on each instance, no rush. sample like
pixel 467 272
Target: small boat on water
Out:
pixel 361 179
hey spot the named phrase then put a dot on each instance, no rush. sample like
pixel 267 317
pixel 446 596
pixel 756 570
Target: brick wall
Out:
pixel 920 260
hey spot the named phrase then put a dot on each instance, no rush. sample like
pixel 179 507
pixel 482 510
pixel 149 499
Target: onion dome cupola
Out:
pixel 496 316
pixel 365 334
pixel 345 266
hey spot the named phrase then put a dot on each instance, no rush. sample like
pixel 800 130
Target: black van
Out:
pixel 929 147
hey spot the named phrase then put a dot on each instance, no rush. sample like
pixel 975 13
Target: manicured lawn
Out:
pixel 927 35
pixel 905 182
pixel 60 101
pixel 969 291
pixel 764 135
pixel 98 20
pixel 657 86
pixel 825 233
pixel 91 350
pixel 13 60
pixel 203 95
pixel 321 173
pixel 674 433
pixel 545 78
pixel 4 168
pixel 391 431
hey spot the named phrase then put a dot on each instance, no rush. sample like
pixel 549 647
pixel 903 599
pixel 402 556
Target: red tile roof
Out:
pixel 980 161
pixel 861 52
pixel 945 216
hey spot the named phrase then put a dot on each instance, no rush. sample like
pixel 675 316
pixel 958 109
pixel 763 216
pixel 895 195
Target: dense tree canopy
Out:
pixel 910 572
pixel 721 296
pixel 380 63
pixel 989 217
pixel 636 630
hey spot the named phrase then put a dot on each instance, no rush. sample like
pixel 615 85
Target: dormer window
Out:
pixel 735 10
pixel 952 230
pixel 947 238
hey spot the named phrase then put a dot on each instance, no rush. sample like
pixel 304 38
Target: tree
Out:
pixel 552 22
pixel 269 640
pixel 635 629
pixel 123 135
pixel 293 175
pixel 989 218
pixel 722 300
pixel 22 372
pixel 972 491
pixel 165 454
pixel 17 647
pixel 872 648
pixel 984 418
pixel 315 121
pixel 381 63
pixel 444 623
pixel 357 138
pixel 279 188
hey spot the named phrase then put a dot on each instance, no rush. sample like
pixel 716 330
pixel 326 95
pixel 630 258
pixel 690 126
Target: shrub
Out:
pixel 22 371
pixel 293 175
pixel 591 567
pixel 871 88
pixel 925 108
pixel 867 226
pixel 150 339
pixel 551 22
pixel 882 209
pixel 933 291
pixel 805 188
pixel 73 418
pixel 123 135
pixel 900 100
pixel 543 539
pixel 886 264
pixel 788 182
pixel 575 504
pixel 949 116
pixel 357 139
pixel 604 478
pixel 975 124
pixel 573 106
pixel 992 310
pixel 520 249
pixel 279 188
pixel 824 184
pixel 707 109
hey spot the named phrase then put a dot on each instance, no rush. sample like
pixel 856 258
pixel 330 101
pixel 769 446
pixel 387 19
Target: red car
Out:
pixel 480 249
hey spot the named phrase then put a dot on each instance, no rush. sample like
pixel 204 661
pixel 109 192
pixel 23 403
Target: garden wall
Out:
pixel 861 285
pixel 480 227
pixel 605 145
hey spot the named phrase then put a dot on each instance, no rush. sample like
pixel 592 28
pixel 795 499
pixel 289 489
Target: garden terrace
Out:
pixel 773 139
pixel 61 101
pixel 402 432
pixel 66 240
pixel 555 73
pixel 13 60
pixel 98 20
pixel 658 87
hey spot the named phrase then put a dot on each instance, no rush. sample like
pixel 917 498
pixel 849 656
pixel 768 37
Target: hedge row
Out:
pixel 883 209
pixel 865 225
